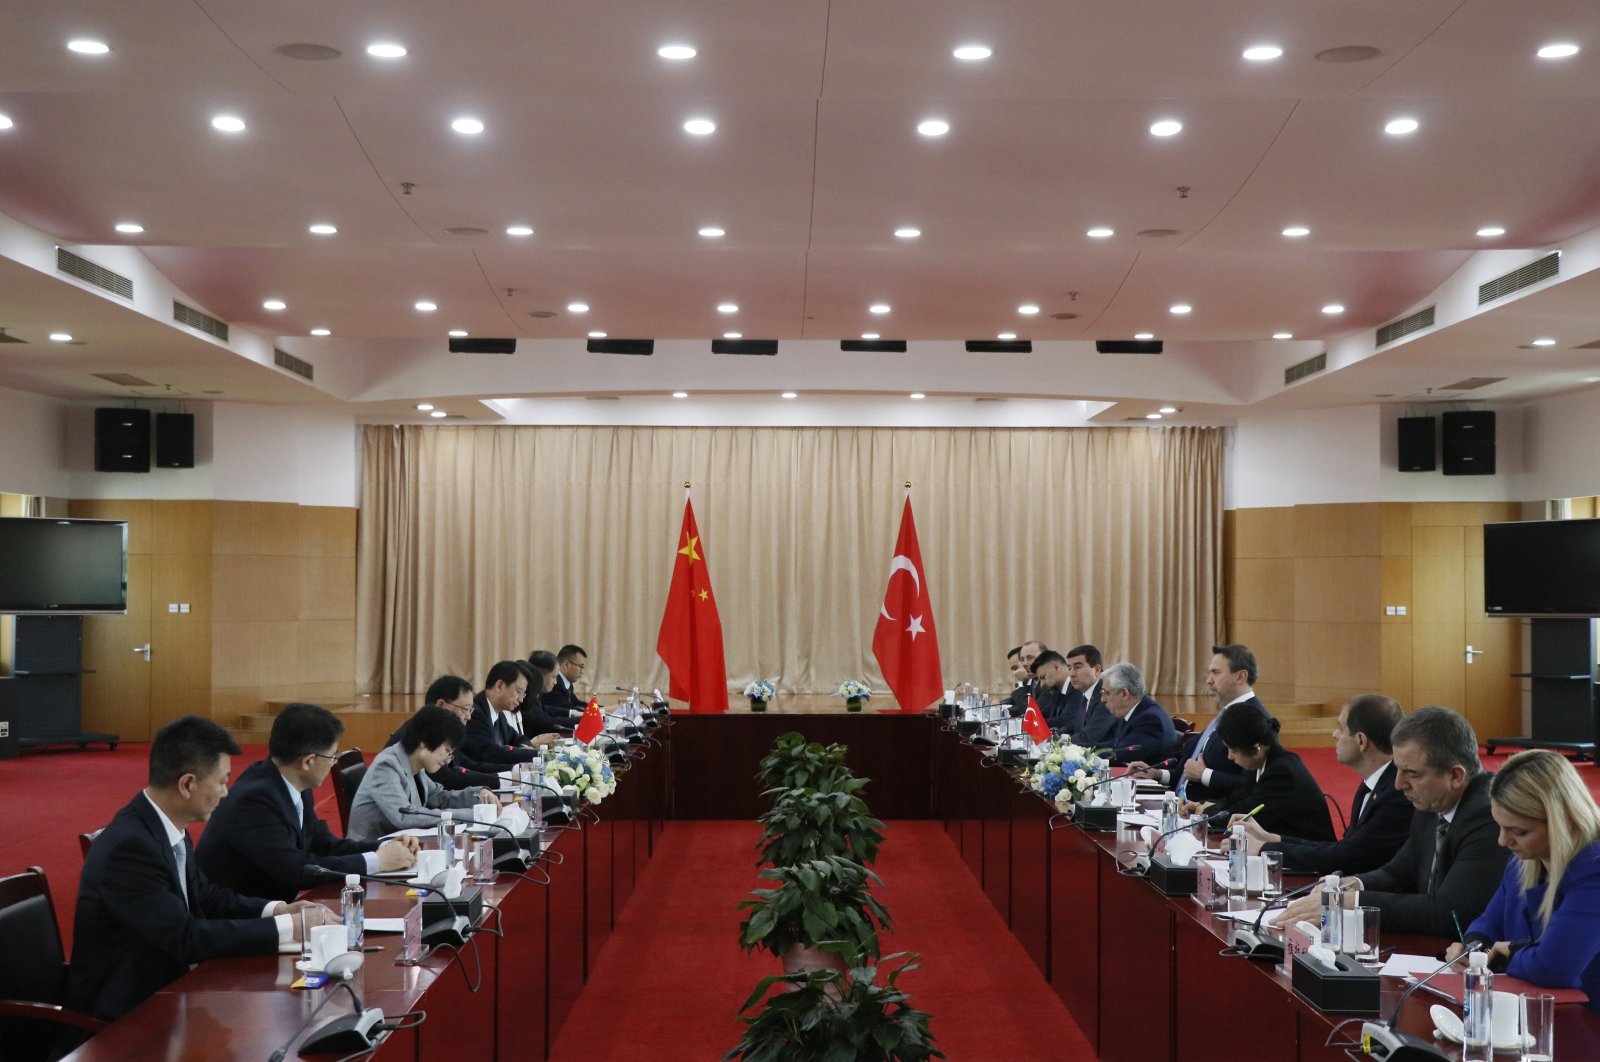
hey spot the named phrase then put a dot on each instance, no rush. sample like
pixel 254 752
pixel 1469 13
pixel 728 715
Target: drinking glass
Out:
pixel 1538 1015
pixel 1272 884
pixel 1360 937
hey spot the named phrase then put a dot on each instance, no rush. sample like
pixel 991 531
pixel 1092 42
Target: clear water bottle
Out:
pixel 1332 913
pixel 1169 813
pixel 447 838
pixel 461 850
pixel 1238 869
pixel 352 910
pixel 1477 1011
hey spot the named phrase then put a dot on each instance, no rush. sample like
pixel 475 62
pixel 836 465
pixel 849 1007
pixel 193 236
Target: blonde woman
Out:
pixel 1543 925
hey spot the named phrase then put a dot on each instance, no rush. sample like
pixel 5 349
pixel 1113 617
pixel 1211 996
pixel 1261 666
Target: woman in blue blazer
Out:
pixel 1543 925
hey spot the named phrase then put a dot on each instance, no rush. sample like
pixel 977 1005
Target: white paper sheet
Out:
pixel 1400 965
pixel 383 925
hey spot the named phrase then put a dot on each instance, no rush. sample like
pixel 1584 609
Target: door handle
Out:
pixel 145 649
pixel 1471 652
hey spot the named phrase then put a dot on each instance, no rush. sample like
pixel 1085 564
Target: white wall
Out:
pixel 33 437
pixel 305 455
pixel 1303 458
pixel 1561 447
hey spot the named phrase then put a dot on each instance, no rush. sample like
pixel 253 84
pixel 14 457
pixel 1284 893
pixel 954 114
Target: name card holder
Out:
pixel 1206 891
pixel 411 937
pixel 1296 941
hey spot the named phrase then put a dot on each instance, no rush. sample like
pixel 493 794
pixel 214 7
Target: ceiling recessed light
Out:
pixel 878 308
pixel 1028 309
pixel 6 122
pixel 438 413
pixel 1152 416
pixel 597 335
pixel 727 307
pixel 869 335
pixel 1563 50
pixel 321 332
pixel 1591 379
pixel 322 228
pixel 676 52
pixel 1546 342
pixel 228 123
pixel 1491 230
pixel 519 230
pixel 386 50
pixel 1262 53
pixel 133 228
pixel 1333 308
pixel 1101 233
pixel 274 304
pixel 790 394
pixel 918 395
pixel 424 306
pixel 1283 335
pixel 1296 230
pixel 700 126
pixel 458 333
pixel 577 307
pixel 467 126
pixel 933 127
pixel 1401 126
pixel 424 407
pixel 907 232
pixel 1168 410
pixel 712 232
pixel 680 394
pixel 1180 308
pixel 1166 127
pixel 973 53
pixel 1006 336
pixel 61 337
pixel 1144 335
pixel 733 335
pixel 88 47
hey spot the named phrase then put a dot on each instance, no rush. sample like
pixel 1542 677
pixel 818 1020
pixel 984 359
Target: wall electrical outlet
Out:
pixel 172 606
pixel 184 607
pixel 1388 610
pixel 1399 610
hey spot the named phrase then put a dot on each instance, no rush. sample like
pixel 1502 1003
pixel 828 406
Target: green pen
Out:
pixel 1459 934
pixel 1252 813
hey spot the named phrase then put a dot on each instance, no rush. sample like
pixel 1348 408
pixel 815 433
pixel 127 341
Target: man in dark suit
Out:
pixel 1380 814
pixel 1092 725
pixel 1050 669
pixel 571 661
pixel 265 831
pixel 1144 729
pixel 146 913
pixel 462 772
pixel 487 740
pixel 1028 654
pixel 1207 774
pixel 1451 862
pixel 541 697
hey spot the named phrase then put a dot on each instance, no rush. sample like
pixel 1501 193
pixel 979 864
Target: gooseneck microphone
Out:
pixel 354 1032
pixel 523 858
pixel 1251 944
pixel 1384 1040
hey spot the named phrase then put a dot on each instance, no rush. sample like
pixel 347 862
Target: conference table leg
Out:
pixel 1136 941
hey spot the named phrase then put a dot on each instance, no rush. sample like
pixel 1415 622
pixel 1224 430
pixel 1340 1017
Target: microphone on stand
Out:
pixel 352 1033
pixel 1252 944
pixel 1384 1040
pixel 460 927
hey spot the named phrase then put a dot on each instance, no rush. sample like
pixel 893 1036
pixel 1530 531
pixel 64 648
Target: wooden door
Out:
pixel 116 696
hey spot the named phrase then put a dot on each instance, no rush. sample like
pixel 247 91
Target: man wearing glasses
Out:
pixel 266 829
pixel 562 698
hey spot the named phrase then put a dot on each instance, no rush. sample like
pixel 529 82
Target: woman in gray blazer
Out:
pixel 398 778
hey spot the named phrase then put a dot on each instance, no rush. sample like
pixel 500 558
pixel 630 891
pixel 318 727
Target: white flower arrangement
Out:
pixel 854 690
pixel 760 690
pixel 587 769
pixel 1065 772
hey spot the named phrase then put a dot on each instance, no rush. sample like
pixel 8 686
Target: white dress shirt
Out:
pixel 176 836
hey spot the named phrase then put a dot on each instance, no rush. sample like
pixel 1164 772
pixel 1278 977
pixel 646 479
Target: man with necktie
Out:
pixel 1207 774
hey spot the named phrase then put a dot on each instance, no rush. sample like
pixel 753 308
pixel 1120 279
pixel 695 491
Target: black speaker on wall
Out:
pixel 175 440
pixel 1469 442
pixel 1419 444
pixel 121 440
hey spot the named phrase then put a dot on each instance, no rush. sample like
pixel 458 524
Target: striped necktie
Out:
pixel 1434 873
pixel 182 857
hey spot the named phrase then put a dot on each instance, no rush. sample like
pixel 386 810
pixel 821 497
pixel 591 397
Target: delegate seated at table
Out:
pixel 1276 780
pixel 398 778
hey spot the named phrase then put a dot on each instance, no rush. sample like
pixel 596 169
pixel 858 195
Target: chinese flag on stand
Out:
pixel 590 723
pixel 1033 722
pixel 905 643
pixel 690 642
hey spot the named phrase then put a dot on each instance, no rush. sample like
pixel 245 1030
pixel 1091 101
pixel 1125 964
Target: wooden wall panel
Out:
pixel 134 510
pixel 255 587
pixel 1334 655
pixel 326 531
pixel 253 653
pixel 324 651
pixel 1263 589
pixel 256 527
pixel 1336 530
pixel 116 692
pixel 1342 589
pixel 182 578
pixel 181 527
pixel 1264 532
pixel 328 589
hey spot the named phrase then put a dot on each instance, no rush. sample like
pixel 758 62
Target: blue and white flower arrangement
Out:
pixel 1065 772
pixel 854 690
pixel 587 769
pixel 760 690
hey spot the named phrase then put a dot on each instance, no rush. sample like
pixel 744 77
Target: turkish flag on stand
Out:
pixel 1033 722
pixel 690 642
pixel 905 643
pixel 590 723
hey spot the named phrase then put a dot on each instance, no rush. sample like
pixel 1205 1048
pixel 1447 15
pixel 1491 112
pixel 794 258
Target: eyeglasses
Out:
pixel 327 756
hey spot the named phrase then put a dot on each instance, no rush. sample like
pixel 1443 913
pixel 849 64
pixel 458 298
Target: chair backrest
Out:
pixel 348 771
pixel 86 840
pixel 1337 810
pixel 1182 726
pixel 33 966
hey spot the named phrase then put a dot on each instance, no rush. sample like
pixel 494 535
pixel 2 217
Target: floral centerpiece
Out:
pixel 854 692
pixel 760 692
pixel 586 768
pixel 1065 772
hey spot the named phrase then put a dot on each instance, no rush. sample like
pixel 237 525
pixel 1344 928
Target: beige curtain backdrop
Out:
pixel 480 543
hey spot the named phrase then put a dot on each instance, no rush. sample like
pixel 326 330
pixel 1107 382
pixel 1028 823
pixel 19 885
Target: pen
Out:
pixel 1252 813
pixel 1459 935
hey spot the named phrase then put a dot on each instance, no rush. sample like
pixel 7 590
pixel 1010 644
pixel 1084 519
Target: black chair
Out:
pixel 1337 810
pixel 348 771
pixel 1182 726
pixel 34 1021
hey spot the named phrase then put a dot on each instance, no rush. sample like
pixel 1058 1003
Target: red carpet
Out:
pixel 675 956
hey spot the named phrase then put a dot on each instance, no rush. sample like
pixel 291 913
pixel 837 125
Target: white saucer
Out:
pixel 1447 1026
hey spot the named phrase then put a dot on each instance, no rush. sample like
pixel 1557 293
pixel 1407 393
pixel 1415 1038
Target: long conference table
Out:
pixel 1145 976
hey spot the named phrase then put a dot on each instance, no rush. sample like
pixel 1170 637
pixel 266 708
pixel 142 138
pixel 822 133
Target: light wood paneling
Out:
pixel 1394 529
pixel 1395 667
pixel 325 649
pixel 1430 540
pixel 181 527
pixel 328 588
pixel 1336 530
pixel 253 653
pixel 255 587
pixel 1263 589
pixel 256 527
pixel 1437 593
pixel 182 578
pixel 1463 514
pixel 327 531
pixel 1394 582
pixel 1264 532
pixel 116 693
pixel 134 510
pixel 1333 655
pixel 1437 661
pixel 1339 588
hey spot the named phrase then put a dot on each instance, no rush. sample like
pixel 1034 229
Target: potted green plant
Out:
pixel 795 763
pixel 807 824
pixel 822 914
pixel 828 1015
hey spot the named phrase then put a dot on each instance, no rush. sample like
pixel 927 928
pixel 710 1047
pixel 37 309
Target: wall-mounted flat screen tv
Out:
pixel 61 567
pixel 1542 568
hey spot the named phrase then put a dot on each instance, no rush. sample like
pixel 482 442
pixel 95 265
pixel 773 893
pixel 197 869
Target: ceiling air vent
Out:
pixel 122 379
pixel 744 346
pixel 1416 322
pixel 74 265
pixel 622 346
pixel 1472 383
pixel 1309 367
pixel 1128 346
pixel 1517 279
pixel 873 346
pixel 284 360
pixel 999 346
pixel 200 322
